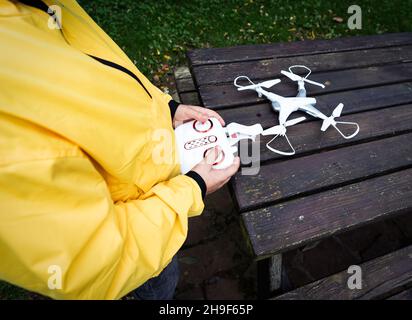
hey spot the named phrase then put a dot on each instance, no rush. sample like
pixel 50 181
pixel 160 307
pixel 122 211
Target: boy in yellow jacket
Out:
pixel 85 210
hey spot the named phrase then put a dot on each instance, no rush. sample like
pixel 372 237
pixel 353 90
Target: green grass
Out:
pixel 156 34
pixel 10 292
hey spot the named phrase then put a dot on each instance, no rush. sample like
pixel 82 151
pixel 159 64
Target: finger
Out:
pixel 232 169
pixel 192 113
pixel 224 182
pixel 214 114
pixel 212 154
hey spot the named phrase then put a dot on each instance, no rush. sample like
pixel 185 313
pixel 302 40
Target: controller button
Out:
pixel 202 127
pixel 220 156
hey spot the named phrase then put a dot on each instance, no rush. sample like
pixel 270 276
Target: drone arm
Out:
pixel 238 132
pixel 311 110
pixel 273 97
pixel 301 89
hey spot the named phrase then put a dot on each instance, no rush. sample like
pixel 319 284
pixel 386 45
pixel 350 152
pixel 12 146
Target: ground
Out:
pixel 156 34
pixel 216 260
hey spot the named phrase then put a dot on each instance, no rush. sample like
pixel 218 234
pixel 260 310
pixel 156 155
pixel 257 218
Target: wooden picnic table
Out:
pixel 331 185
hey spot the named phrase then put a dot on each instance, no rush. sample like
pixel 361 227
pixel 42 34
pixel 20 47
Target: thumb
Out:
pixel 232 169
pixel 212 154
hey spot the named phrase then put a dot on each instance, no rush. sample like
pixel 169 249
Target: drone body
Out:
pixel 285 106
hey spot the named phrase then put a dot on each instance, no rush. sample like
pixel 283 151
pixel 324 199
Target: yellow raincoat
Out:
pixel 80 190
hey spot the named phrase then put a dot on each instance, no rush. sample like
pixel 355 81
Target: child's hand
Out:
pixel 186 112
pixel 215 178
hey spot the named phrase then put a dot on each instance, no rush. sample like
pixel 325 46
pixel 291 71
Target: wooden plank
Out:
pixel 404 295
pixel 297 176
pixel 354 100
pixel 189 98
pixel 268 51
pixel 269 276
pixel 295 223
pixel 185 85
pixel 275 272
pixel 224 96
pixel 381 277
pixel 270 68
pixel 183 79
pixel 182 73
pixel 307 137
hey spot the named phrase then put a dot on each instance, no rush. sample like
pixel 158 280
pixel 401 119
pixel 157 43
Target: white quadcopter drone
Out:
pixel 194 139
pixel 286 105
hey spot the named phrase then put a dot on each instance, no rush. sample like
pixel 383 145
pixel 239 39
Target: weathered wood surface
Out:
pixel 331 185
pixel 307 137
pixel 381 278
pixel 280 181
pixel 404 295
pixel 191 98
pixel 275 272
pixel 281 227
pixel 377 124
pixel 356 100
pixel 267 51
pixel 226 95
pixel 185 86
pixel 270 68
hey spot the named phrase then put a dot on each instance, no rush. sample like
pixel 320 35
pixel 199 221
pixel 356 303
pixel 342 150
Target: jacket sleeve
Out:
pixel 173 104
pixel 58 213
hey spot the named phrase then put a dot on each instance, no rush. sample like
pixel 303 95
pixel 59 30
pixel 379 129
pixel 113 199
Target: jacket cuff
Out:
pixel 173 104
pixel 202 185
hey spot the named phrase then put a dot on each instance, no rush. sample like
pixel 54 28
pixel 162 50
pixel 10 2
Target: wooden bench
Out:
pixel 331 185
pixel 389 276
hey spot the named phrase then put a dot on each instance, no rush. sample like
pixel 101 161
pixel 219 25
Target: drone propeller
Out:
pixel 337 111
pixel 294 77
pixel 265 84
pixel 281 129
pixel 330 121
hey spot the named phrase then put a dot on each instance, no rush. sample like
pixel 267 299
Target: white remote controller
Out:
pixel 194 139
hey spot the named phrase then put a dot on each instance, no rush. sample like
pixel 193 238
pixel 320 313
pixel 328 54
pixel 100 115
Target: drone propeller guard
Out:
pixel 284 153
pixel 330 121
